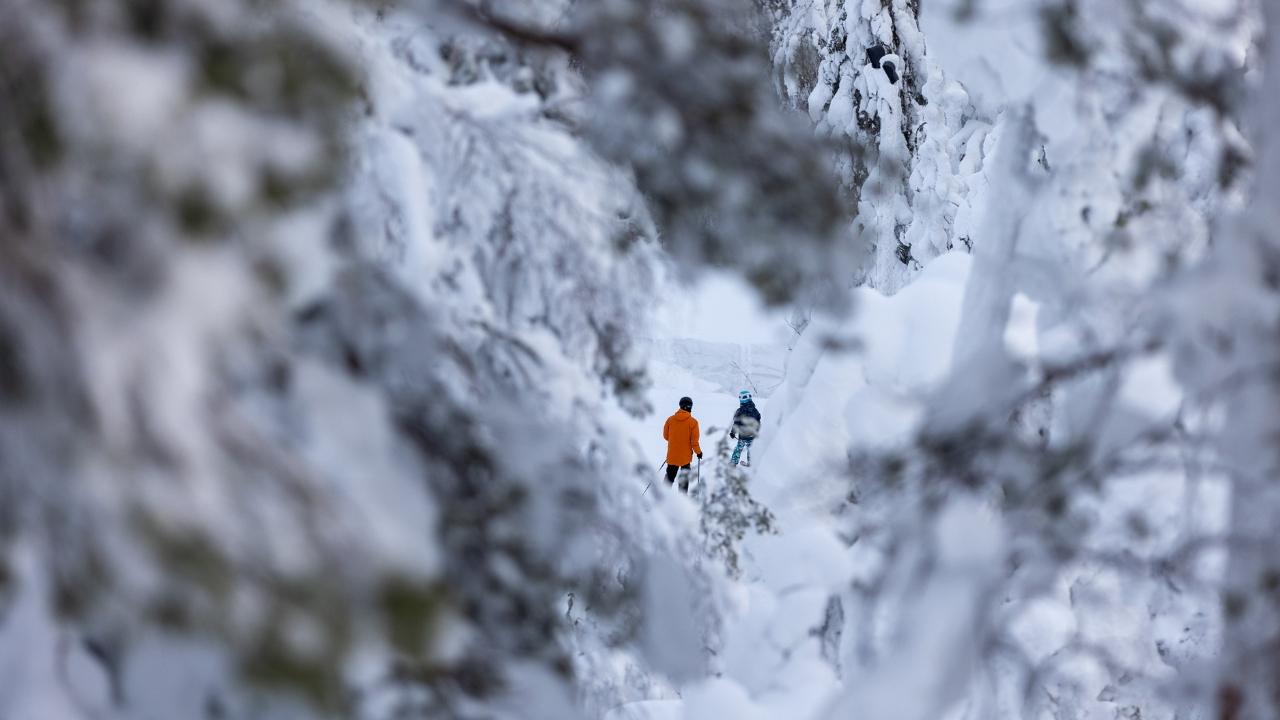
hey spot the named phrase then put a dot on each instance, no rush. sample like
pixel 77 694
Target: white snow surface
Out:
pixel 912 639
pixel 832 400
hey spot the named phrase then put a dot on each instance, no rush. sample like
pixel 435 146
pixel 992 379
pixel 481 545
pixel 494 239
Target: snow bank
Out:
pixel 870 397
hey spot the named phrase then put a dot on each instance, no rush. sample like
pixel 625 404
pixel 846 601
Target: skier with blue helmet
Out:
pixel 746 426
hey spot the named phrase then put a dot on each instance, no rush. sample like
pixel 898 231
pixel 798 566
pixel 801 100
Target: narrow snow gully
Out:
pixel 785 647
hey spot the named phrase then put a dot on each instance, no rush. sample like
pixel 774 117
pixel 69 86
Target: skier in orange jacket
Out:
pixel 681 433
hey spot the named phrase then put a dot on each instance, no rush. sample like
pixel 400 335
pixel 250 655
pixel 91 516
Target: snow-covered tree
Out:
pixel 317 328
pixel 322 330
pixel 863 73
pixel 1099 181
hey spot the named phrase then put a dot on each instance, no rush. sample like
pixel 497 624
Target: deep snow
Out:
pixel 833 399
pixel 872 394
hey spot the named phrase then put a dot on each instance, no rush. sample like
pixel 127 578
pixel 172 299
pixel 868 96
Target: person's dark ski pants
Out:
pixel 672 470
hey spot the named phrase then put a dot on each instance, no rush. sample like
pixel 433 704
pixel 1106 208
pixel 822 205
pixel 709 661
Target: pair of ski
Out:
pixel 746 463
pixel 662 468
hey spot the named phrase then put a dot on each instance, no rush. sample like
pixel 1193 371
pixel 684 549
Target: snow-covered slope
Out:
pixel 336 340
pixel 776 658
pixel 866 392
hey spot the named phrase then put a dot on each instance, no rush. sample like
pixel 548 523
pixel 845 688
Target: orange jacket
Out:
pixel 681 434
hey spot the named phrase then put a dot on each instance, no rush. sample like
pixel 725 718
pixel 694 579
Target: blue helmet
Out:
pixel 744 397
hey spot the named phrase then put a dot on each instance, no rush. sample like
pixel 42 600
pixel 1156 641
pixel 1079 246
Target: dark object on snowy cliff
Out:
pixel 875 53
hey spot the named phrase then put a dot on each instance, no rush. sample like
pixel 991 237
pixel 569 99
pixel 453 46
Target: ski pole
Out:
pixel 646 487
